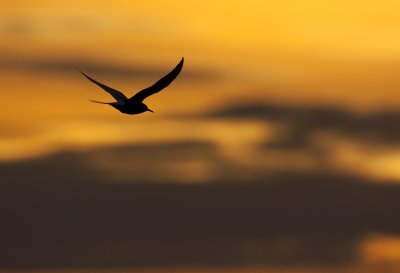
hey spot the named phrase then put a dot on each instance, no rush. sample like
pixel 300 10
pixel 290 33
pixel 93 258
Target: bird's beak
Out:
pixel 150 110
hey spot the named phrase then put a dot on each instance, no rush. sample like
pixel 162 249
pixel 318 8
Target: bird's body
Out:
pixel 135 105
pixel 127 107
pixel 131 108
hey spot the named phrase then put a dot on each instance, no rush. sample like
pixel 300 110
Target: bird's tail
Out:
pixel 95 101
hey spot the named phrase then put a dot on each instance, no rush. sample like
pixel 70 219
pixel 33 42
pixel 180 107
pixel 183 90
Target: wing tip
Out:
pixel 74 66
pixel 180 64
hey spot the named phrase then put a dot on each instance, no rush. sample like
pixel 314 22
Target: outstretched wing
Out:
pixel 158 86
pixel 115 93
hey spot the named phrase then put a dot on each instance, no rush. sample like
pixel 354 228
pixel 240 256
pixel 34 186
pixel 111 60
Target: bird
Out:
pixel 134 105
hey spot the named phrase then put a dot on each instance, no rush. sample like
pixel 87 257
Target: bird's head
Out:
pixel 147 109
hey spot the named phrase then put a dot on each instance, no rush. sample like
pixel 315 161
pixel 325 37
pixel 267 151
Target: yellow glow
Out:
pixel 379 164
pixel 80 134
pixel 381 249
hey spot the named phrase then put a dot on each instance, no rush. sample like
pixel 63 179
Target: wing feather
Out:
pixel 160 85
pixel 115 93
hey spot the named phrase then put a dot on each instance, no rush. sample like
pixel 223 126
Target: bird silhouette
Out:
pixel 134 105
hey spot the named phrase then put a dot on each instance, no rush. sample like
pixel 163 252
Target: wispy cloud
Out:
pixel 302 121
pixel 99 68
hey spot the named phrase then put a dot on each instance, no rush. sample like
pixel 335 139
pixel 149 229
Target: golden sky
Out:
pixel 340 54
pixel 326 74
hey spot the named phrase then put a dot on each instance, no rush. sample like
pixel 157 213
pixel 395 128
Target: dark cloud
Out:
pixel 97 68
pixel 303 121
pixel 145 162
pixel 60 212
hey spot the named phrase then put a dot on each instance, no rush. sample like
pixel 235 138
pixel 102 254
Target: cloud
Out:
pixel 59 211
pixel 302 121
pixel 144 162
pixel 96 68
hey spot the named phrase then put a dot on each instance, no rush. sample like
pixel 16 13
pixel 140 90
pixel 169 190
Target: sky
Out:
pixel 283 109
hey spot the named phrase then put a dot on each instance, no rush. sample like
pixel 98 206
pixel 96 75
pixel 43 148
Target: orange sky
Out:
pixel 334 54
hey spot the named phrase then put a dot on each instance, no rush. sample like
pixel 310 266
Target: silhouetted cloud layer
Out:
pixel 135 163
pixel 59 211
pixel 302 121
pixel 184 203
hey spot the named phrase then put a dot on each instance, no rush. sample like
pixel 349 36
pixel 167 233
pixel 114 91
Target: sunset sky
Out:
pixel 293 91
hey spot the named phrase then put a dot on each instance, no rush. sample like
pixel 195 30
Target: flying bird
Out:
pixel 134 105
